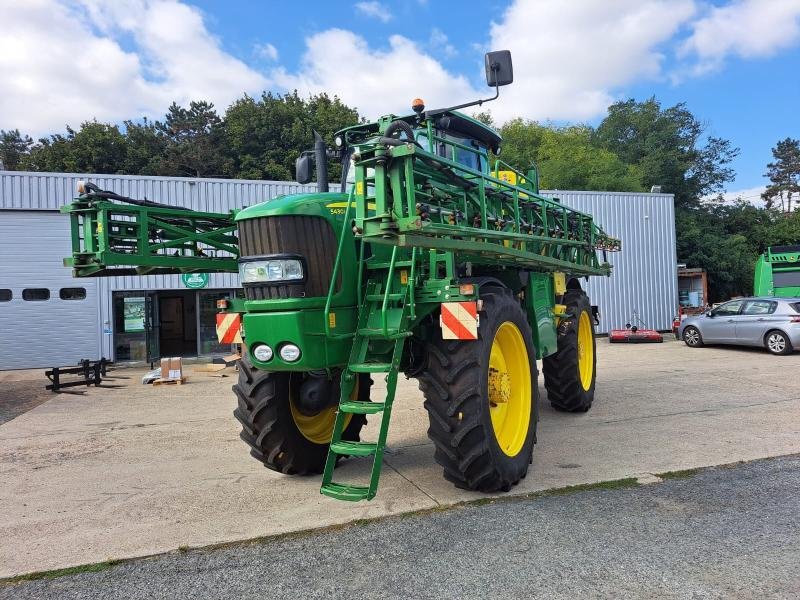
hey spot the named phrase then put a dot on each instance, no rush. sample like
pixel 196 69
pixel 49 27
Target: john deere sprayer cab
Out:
pixel 429 262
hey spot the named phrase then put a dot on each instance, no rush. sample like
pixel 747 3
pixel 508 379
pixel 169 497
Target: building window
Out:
pixel 36 294
pixel 77 293
pixel 5 295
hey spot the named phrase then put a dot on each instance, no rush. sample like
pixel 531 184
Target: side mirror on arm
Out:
pixel 303 167
pixel 499 70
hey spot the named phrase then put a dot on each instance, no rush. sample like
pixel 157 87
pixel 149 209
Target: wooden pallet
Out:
pixel 180 381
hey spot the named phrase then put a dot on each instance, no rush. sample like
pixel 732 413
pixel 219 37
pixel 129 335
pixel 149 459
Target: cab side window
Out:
pixel 760 307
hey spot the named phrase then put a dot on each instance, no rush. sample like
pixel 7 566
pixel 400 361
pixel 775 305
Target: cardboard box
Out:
pixel 164 368
pixel 175 368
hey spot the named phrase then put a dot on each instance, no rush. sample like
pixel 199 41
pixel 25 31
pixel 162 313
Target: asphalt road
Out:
pixel 725 532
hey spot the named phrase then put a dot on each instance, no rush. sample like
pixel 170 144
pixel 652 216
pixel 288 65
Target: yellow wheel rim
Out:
pixel 510 390
pixel 585 351
pixel 318 428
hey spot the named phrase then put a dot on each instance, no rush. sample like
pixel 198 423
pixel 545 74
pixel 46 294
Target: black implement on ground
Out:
pixel 90 372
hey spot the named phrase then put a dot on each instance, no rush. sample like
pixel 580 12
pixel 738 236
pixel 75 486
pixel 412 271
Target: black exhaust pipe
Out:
pixel 321 158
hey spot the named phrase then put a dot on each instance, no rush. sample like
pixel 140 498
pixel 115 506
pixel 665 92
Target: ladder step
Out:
pixel 361 408
pixel 351 493
pixel 391 334
pixel 370 367
pixel 354 448
pixel 379 297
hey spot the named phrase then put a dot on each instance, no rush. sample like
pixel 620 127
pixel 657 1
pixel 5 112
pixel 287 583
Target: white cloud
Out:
pixel 62 63
pixel 375 10
pixel 744 28
pixel 571 57
pixel 749 195
pixel 376 81
pixel 440 43
pixel 267 51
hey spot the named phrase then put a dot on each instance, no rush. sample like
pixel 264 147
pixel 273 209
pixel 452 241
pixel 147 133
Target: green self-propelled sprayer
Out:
pixel 429 261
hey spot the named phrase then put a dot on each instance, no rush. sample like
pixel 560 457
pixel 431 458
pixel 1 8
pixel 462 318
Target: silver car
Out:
pixel 773 323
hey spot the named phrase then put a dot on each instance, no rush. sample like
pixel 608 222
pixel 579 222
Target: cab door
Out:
pixel 756 319
pixel 720 327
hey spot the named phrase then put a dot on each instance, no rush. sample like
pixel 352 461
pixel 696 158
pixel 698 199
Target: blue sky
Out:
pixel 734 62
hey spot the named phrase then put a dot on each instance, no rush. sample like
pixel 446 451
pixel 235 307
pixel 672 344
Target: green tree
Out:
pixel 145 148
pixel 194 139
pixel 13 148
pixel 666 145
pixel 566 157
pixel 568 161
pixel 264 137
pixel 784 176
pixel 94 148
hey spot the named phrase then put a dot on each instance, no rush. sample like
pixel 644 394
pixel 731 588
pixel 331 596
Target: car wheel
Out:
pixel 778 343
pixel 692 337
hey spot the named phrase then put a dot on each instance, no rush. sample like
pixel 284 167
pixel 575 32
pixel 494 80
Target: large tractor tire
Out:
pixel 481 397
pixel 569 374
pixel 279 435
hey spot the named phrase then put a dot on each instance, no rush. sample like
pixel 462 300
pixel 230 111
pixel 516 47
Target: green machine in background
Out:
pixel 428 261
pixel 778 272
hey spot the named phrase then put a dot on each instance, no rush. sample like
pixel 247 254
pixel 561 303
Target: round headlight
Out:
pixel 262 352
pixel 290 352
pixel 338 141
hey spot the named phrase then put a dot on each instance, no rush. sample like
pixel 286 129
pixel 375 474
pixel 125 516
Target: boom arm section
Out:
pixel 425 200
pixel 111 238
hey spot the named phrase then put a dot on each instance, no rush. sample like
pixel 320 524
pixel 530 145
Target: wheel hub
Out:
pixel 509 388
pixel 499 387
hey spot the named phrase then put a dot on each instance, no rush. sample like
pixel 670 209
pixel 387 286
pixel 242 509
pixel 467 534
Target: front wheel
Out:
pixel 778 342
pixel 481 397
pixel 692 337
pixel 279 434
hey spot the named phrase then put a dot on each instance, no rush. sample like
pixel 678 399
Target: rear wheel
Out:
pixel 778 342
pixel 481 397
pixel 692 337
pixel 280 436
pixel 569 374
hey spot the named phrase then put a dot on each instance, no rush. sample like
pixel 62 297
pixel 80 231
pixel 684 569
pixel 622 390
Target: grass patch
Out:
pixel 90 568
pixel 684 474
pixel 614 484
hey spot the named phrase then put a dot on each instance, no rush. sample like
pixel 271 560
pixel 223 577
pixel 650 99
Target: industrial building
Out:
pixel 49 318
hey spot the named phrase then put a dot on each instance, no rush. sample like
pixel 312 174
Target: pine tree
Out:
pixel 784 176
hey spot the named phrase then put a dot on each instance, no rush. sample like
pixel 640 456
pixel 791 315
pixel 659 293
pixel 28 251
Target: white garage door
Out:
pixel 47 318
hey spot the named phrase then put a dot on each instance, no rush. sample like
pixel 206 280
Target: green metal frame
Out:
pixel 110 238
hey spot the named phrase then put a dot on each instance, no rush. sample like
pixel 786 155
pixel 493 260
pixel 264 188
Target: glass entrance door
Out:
pixel 152 327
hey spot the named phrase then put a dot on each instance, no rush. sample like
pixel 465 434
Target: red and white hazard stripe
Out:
pixel 459 320
pixel 229 328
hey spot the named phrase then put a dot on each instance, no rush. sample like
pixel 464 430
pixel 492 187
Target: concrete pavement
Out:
pixel 129 472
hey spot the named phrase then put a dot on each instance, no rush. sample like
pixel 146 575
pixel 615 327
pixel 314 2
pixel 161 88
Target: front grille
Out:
pixel 310 237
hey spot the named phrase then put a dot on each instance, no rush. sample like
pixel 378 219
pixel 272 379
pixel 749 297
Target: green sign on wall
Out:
pixel 195 280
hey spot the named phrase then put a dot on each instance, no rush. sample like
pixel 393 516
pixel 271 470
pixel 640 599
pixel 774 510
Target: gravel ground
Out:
pixel 725 532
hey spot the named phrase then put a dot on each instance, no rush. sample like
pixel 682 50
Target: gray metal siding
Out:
pixel 51 191
pixel 645 275
pixel 51 332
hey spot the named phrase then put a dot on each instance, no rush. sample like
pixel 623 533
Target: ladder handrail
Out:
pixel 386 292
pixel 336 265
